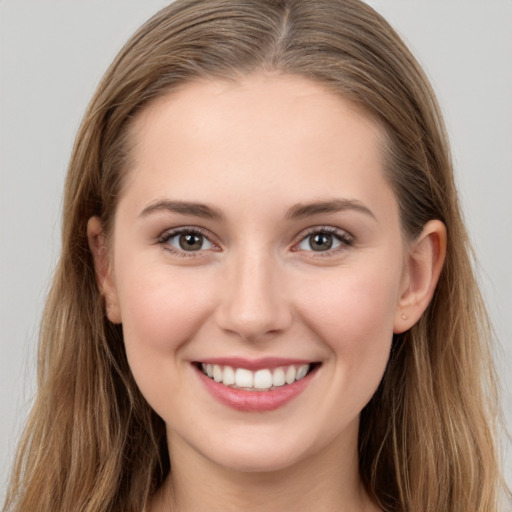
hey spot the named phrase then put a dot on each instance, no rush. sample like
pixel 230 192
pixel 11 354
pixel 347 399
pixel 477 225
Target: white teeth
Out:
pixel 217 373
pixel 259 380
pixel 301 372
pixel 263 379
pixel 243 378
pixel 229 376
pixel 278 377
pixel 290 375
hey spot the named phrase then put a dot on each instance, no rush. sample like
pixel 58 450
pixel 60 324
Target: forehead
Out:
pixel 253 103
pixel 266 134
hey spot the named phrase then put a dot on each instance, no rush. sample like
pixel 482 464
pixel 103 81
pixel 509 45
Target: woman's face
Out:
pixel 257 238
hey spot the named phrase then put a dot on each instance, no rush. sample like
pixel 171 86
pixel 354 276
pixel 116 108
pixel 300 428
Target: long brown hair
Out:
pixel 427 437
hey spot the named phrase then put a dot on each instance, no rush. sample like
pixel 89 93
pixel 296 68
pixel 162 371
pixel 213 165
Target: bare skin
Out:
pixel 295 250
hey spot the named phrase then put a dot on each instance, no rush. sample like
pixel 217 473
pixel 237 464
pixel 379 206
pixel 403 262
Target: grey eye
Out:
pixel 190 242
pixel 320 242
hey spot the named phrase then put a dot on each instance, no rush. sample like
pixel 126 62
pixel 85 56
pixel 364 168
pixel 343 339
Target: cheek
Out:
pixel 161 311
pixel 352 312
pixel 357 304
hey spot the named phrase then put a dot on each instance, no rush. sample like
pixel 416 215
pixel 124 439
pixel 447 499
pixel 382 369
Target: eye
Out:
pixel 325 240
pixel 186 240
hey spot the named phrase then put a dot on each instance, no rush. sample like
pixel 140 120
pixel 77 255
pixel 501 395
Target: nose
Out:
pixel 253 301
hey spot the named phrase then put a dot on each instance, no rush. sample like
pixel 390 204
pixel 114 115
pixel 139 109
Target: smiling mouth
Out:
pixel 265 379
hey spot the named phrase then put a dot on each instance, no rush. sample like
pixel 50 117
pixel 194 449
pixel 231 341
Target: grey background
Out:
pixel 52 54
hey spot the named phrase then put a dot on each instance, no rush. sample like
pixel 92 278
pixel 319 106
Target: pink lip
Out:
pixel 254 401
pixel 254 364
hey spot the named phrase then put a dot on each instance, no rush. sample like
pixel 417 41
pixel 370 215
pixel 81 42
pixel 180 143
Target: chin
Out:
pixel 260 452
pixel 256 461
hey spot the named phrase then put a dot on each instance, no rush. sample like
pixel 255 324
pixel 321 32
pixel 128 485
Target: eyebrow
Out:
pixel 300 211
pixel 183 207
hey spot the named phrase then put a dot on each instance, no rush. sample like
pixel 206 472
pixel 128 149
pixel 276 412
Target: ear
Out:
pixel 103 268
pixel 423 265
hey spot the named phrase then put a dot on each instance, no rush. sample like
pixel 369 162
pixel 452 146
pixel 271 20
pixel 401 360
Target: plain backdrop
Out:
pixel 52 54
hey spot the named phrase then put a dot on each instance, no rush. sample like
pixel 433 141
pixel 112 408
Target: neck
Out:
pixel 326 481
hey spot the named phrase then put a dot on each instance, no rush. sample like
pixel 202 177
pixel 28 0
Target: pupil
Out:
pixel 321 242
pixel 191 242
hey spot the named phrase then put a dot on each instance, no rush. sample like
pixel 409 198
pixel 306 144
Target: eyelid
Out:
pixel 172 232
pixel 342 235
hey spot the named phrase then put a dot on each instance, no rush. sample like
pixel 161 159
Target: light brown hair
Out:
pixel 427 437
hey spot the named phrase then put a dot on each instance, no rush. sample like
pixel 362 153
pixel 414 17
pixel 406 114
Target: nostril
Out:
pixel 252 304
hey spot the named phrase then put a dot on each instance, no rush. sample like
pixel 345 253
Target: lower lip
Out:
pixel 255 401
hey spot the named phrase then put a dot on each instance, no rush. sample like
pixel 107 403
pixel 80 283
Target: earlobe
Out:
pixel 424 262
pixel 103 268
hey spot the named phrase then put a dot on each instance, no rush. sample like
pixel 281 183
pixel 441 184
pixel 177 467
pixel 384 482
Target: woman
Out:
pixel 265 299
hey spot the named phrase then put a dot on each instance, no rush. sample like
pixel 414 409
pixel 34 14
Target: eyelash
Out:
pixel 344 238
pixel 168 235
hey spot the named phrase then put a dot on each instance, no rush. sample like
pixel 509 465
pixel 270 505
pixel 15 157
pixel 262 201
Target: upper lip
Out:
pixel 254 364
